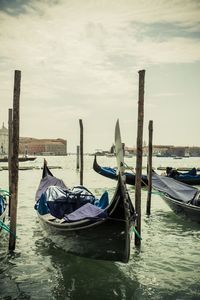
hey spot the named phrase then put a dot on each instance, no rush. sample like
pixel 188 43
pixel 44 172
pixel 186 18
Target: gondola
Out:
pixel 191 177
pixel 180 197
pixel 88 230
pixel 21 158
pixel 112 173
pixel 3 209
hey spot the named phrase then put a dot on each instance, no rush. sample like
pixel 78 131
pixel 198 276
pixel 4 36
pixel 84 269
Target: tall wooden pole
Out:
pixel 77 157
pixel 10 147
pixel 15 160
pixel 149 168
pixel 81 151
pixel 139 155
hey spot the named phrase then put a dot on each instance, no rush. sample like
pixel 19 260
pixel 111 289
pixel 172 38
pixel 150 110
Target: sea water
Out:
pixel 166 267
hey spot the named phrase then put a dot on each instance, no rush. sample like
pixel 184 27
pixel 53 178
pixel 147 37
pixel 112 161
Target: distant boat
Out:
pixel 99 152
pixel 21 158
pixel 191 177
pixel 162 155
pixel 109 154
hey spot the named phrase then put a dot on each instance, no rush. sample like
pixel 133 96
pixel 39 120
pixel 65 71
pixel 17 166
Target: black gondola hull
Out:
pixel 129 177
pixel 190 211
pixel 191 181
pixel 105 240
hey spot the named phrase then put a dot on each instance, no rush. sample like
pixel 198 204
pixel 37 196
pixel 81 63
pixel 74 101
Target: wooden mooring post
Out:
pixel 10 147
pixel 77 157
pixel 14 160
pixel 81 151
pixel 149 168
pixel 139 155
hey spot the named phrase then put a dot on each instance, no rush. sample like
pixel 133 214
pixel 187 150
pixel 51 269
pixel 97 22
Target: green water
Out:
pixel 166 267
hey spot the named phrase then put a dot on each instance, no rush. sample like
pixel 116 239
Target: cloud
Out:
pixel 80 58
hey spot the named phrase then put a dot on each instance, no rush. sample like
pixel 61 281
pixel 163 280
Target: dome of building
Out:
pixel 3 130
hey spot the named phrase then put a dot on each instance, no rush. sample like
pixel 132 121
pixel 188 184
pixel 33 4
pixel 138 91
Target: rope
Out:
pixel 7 193
pixel 7 228
pixel 137 233
pixel 133 228
pixel 132 169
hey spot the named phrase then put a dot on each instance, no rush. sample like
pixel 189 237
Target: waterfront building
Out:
pixel 32 146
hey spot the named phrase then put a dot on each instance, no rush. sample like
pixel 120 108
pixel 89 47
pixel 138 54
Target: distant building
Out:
pixel 4 140
pixel 32 146
pixel 168 151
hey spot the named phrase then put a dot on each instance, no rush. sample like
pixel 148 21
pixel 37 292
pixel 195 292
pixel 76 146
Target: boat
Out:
pixel 180 197
pixel 21 158
pixel 191 177
pixel 3 209
pixel 83 228
pixel 112 173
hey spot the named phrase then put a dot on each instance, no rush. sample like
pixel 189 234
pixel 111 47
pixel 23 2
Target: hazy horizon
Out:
pixel 80 60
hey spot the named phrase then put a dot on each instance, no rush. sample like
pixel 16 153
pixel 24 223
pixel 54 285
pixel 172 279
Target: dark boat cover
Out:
pixel 87 211
pixel 54 197
pixel 49 181
pixel 175 189
pixel 2 204
pixel 173 173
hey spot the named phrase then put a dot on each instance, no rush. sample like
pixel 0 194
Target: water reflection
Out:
pixel 81 278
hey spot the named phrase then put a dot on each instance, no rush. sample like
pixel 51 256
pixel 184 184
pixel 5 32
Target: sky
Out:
pixel 80 60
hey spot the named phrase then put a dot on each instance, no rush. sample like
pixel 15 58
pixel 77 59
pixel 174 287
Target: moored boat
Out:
pixel 21 158
pixel 81 224
pixel 180 197
pixel 191 177
pixel 112 174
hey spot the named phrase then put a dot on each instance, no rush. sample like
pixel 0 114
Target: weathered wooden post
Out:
pixel 15 160
pixel 10 147
pixel 139 155
pixel 77 157
pixel 81 151
pixel 149 168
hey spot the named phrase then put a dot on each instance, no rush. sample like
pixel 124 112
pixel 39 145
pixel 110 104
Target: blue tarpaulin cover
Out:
pixel 54 197
pixel 175 189
pixel 2 204
pixel 49 181
pixel 87 211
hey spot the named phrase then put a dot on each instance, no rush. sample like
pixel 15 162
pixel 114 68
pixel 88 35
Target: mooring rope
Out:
pixel 5 192
pixel 133 227
pixel 137 233
pixel 132 169
pixel 7 228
